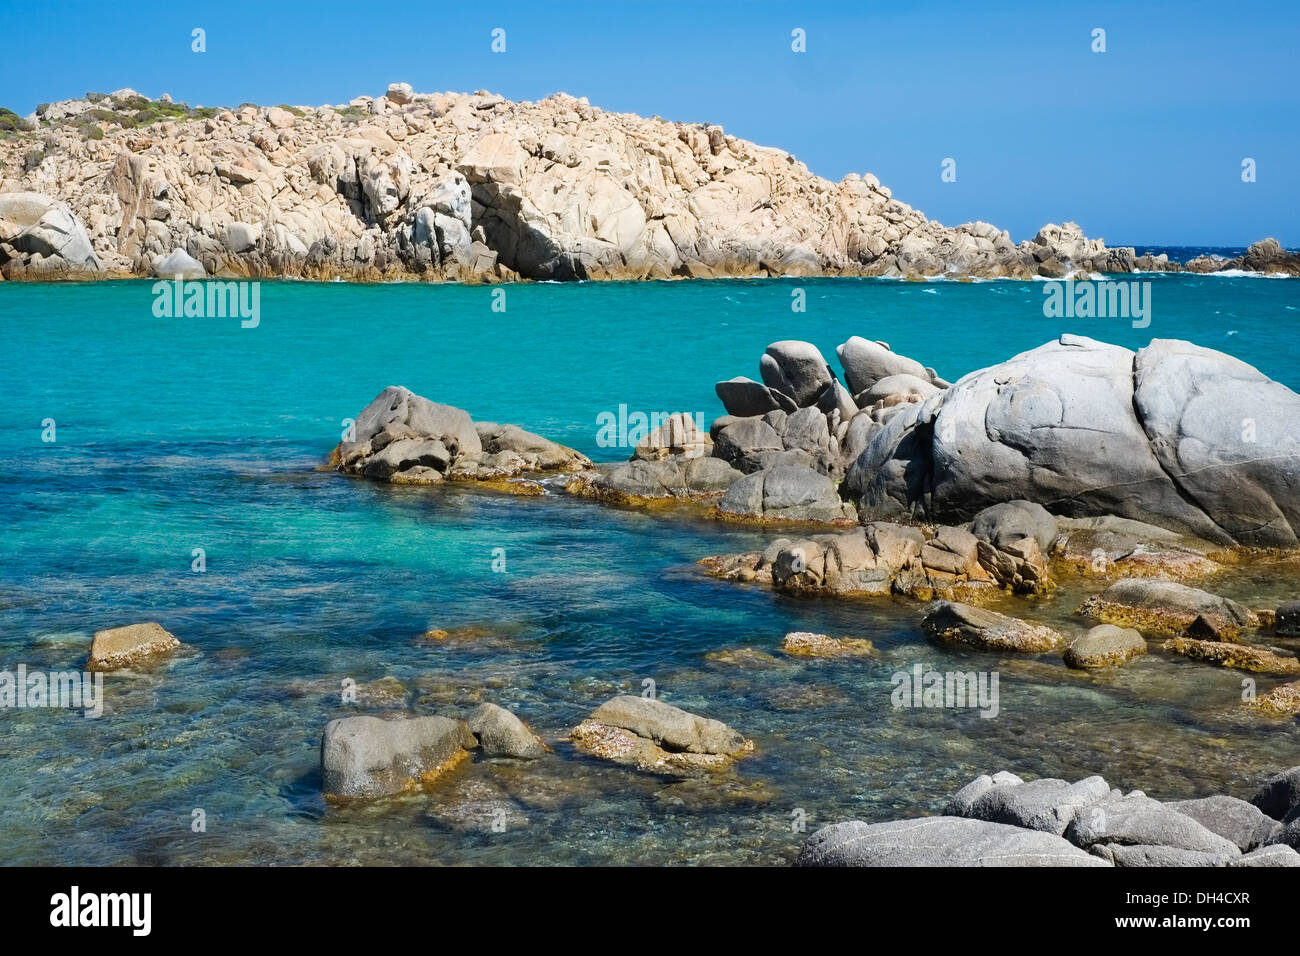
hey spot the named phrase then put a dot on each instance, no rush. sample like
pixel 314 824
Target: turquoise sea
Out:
pixel 177 434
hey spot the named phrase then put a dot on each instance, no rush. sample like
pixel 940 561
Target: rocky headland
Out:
pixel 472 187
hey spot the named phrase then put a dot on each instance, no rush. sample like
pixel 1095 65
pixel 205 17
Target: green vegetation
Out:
pixel 292 109
pixel 11 122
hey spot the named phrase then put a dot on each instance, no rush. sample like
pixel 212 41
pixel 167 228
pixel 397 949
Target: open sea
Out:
pixel 175 434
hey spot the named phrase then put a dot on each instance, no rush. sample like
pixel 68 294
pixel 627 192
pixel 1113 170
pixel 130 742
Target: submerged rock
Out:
pixel 1165 607
pixel 131 644
pixel 655 737
pixel 808 644
pixel 1105 646
pixel 939 841
pixel 1280 701
pixel 1243 657
pixel 987 630
pixel 364 757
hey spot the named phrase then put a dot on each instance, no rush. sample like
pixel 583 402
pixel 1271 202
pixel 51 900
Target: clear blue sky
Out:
pixel 1140 144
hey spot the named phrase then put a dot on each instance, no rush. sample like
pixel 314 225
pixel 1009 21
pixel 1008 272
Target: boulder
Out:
pixel 785 493
pixel 1105 646
pixel 1009 521
pixel 669 478
pixel 866 363
pixel 501 734
pixel 131 644
pixel 743 443
pixel 1243 823
pixel 46 231
pixel 1137 820
pixel 1243 657
pixel 1165 607
pixel 179 264
pixel 678 435
pixel 1287 620
pixel 363 757
pixel 656 737
pixel 1125 855
pixel 1278 854
pixel 808 644
pixel 743 397
pixel 797 369
pixel 1279 795
pixel 1046 804
pixel 939 841
pixel 1088 429
pixel 535 452
pixel 987 630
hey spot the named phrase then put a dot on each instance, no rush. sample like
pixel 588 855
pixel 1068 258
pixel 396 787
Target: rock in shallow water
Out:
pixel 987 630
pixel 1165 607
pixel 363 757
pixel 501 734
pixel 939 841
pixel 1105 646
pixel 656 737
pixel 132 644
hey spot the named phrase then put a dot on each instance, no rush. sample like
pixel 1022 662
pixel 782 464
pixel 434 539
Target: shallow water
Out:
pixel 195 433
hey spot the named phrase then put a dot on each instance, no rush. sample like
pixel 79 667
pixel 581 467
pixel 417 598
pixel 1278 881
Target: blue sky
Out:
pixel 1140 144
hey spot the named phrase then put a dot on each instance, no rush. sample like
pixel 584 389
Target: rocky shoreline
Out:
pixel 1002 820
pixel 473 187
pixel 1006 482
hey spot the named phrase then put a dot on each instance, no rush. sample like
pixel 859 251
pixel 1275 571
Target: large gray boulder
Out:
pixel 1173 434
pixel 1228 434
pixel 745 441
pixel 866 363
pixel 1166 607
pixel 1047 804
pixel 364 757
pixel 1001 524
pixel 797 369
pixel 675 477
pixel 1236 820
pixel 401 413
pixel 46 232
pixel 785 493
pixel 939 841
pixel 1137 820
pixel 744 397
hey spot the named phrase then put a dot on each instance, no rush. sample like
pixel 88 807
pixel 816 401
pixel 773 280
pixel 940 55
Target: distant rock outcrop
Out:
pixel 474 186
